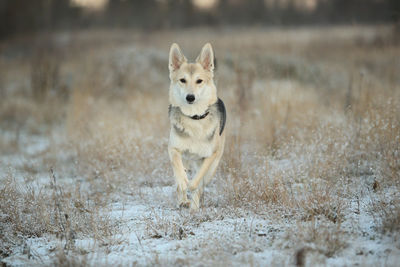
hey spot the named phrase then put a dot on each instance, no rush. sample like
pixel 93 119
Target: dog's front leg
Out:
pixel 198 180
pixel 194 184
pixel 180 176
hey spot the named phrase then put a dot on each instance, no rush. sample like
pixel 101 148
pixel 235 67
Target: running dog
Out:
pixel 197 118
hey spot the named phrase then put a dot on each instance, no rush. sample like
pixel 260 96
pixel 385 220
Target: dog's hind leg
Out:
pixel 180 176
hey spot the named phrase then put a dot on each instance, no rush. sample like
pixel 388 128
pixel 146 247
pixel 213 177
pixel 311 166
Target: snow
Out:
pixel 147 228
pixel 248 240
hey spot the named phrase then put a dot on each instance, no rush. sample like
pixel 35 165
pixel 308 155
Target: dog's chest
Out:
pixel 195 137
pixel 198 130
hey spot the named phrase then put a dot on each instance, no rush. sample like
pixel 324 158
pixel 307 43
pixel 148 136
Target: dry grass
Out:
pixel 386 211
pixel 317 238
pixel 313 116
pixel 28 210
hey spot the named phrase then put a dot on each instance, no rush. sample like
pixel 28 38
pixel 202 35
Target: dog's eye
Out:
pixel 182 80
pixel 199 81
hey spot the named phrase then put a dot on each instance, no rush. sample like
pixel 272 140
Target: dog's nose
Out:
pixel 190 98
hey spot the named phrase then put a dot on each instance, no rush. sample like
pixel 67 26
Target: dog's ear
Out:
pixel 206 57
pixel 176 57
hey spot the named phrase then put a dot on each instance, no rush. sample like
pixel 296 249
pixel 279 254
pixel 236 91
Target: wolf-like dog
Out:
pixel 197 118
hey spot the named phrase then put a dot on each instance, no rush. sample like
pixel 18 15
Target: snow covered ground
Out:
pixel 147 229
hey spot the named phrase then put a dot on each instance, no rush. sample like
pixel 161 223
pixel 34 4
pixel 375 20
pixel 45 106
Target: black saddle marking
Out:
pixel 222 114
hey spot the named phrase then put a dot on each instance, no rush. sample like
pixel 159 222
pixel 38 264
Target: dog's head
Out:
pixel 192 86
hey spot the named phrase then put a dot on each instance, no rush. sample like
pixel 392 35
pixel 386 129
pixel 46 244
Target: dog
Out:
pixel 197 117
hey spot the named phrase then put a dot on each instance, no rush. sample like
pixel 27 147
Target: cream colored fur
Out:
pixel 195 145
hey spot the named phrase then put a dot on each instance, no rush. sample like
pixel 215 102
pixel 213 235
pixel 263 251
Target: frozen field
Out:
pixel 311 170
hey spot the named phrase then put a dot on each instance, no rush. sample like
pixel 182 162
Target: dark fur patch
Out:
pixel 180 132
pixel 222 115
pixel 169 110
pixel 211 136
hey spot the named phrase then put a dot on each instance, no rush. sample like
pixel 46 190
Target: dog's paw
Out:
pixel 181 191
pixel 184 204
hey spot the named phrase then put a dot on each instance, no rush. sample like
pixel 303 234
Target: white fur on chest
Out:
pixel 197 137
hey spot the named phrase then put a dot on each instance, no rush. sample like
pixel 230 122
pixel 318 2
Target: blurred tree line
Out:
pixel 24 16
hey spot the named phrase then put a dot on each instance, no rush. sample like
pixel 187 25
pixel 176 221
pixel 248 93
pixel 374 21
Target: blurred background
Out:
pixel 81 65
pixel 312 91
pixel 19 16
